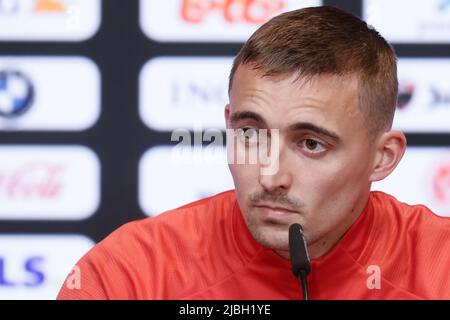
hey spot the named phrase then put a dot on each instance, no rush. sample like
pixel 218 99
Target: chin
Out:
pixel 272 237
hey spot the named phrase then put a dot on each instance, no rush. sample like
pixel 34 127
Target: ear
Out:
pixel 227 116
pixel 390 150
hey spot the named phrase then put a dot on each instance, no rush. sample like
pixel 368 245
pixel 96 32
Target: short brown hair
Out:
pixel 327 40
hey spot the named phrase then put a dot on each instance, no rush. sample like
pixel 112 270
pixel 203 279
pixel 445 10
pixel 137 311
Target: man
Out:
pixel 324 85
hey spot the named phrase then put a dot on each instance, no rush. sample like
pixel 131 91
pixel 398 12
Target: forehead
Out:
pixel 327 100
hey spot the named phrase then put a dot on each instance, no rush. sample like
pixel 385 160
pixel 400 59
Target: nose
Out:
pixel 278 179
pixel 272 182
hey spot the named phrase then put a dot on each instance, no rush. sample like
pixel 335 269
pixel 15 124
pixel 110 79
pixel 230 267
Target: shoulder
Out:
pixel 188 225
pixel 418 218
pixel 171 233
pixel 139 259
pixel 415 243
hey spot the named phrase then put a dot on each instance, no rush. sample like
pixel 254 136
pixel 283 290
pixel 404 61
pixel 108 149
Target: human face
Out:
pixel 324 157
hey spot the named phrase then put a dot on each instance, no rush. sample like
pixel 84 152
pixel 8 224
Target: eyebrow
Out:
pixel 299 126
pixel 245 115
pixel 314 128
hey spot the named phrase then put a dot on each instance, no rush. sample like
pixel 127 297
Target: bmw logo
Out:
pixel 16 93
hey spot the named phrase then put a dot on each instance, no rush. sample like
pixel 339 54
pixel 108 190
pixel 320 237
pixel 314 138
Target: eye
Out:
pixel 313 146
pixel 247 134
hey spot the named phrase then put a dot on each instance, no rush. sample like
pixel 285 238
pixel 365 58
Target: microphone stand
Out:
pixel 298 252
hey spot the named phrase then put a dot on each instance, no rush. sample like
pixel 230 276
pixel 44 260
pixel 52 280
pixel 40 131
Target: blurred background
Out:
pixel 91 92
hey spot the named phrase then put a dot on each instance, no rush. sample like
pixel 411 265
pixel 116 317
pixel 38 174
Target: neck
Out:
pixel 324 244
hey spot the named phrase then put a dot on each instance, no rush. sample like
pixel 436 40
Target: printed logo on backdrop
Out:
pixel 16 93
pixel 250 12
pixel 211 20
pixel 31 267
pixel 42 20
pixel 441 184
pixel 440 97
pixel 421 21
pixel 405 93
pixel 444 6
pixel 36 94
pixel 43 182
pixel 424 95
pixel 179 92
pixel 35 266
pixel 427 172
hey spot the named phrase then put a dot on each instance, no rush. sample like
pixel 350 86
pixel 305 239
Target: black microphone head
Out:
pixel 298 250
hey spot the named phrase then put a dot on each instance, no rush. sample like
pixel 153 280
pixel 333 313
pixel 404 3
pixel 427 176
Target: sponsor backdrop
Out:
pixel 91 92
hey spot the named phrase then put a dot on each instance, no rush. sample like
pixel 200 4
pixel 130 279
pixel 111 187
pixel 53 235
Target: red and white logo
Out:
pixel 232 11
pixel 211 20
pixel 48 182
pixel 441 184
pixel 33 180
pixel 421 177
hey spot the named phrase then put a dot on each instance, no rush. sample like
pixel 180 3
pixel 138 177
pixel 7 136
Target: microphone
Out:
pixel 301 265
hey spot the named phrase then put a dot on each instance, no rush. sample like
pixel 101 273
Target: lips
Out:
pixel 277 213
pixel 276 208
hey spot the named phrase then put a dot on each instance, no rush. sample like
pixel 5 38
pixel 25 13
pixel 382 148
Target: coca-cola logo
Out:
pixel 441 184
pixel 232 11
pixel 34 180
